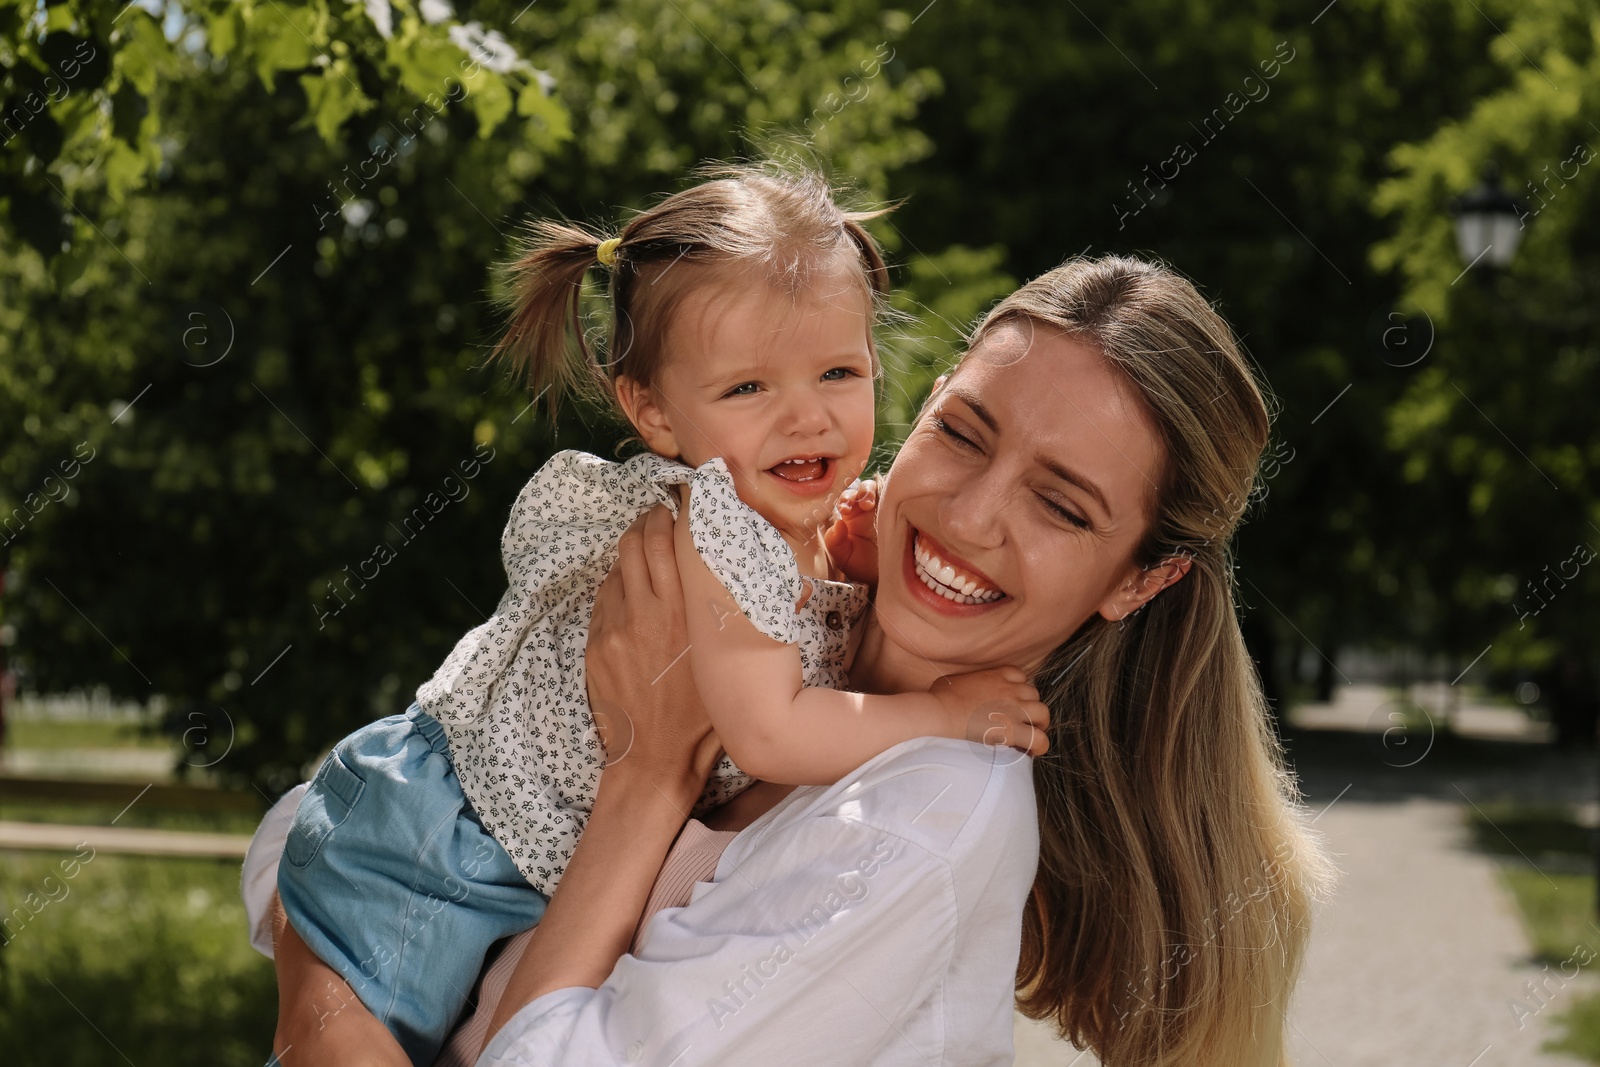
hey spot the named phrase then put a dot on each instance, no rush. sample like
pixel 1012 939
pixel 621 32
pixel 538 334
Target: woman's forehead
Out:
pixel 1061 398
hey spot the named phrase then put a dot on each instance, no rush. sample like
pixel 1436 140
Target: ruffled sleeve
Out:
pixel 573 510
pixel 558 545
pixel 745 552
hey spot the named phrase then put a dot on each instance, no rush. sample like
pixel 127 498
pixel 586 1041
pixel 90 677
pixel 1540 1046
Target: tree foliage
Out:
pixel 253 459
pixel 1504 412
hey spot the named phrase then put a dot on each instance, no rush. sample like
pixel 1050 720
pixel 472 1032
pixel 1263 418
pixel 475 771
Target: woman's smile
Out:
pixel 942 580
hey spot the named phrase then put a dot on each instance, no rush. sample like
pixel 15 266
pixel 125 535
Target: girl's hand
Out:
pixel 995 707
pixel 640 687
pixel 852 540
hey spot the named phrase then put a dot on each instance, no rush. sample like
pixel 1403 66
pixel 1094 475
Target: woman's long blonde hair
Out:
pixel 1171 909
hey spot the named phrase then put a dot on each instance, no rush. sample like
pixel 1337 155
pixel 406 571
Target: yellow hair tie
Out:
pixel 606 251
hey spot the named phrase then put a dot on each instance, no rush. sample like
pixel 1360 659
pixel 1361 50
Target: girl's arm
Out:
pixel 778 730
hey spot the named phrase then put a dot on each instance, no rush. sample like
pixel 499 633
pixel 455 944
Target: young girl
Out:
pixel 740 349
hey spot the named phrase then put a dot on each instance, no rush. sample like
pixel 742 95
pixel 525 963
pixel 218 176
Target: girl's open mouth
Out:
pixel 807 475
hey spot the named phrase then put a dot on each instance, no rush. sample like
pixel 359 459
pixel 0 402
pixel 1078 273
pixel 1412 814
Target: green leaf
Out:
pixel 489 99
pixel 38 220
pixel 44 137
pixel 279 45
pixel 426 62
pixel 333 97
pixel 223 31
pixel 82 63
pixel 534 102
pixel 143 51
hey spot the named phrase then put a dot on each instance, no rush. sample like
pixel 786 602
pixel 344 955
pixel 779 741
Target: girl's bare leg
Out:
pixel 320 1018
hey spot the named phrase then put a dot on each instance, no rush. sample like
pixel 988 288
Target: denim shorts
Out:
pixel 389 877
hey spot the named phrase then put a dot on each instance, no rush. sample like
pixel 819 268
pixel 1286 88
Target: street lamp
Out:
pixel 1488 221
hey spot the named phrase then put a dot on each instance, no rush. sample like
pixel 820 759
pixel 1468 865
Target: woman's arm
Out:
pixel 778 730
pixel 660 751
pixel 873 922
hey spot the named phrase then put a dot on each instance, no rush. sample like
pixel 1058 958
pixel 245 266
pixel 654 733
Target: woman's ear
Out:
pixel 1142 586
pixel 643 408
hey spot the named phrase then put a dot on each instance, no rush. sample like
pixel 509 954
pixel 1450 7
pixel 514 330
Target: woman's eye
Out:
pixel 950 431
pixel 839 374
pixel 747 389
pixel 1060 512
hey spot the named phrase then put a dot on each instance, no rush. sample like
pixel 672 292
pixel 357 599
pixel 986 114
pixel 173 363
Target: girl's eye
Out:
pixel 950 431
pixel 839 374
pixel 1077 520
pixel 747 389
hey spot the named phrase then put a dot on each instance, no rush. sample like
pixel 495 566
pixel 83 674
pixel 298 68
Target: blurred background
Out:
pixel 254 466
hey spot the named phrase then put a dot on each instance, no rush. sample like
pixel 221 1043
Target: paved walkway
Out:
pixel 1412 963
pixel 1416 958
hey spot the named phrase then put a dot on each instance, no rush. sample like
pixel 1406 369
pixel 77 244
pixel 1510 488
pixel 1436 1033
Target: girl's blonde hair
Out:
pixel 1171 909
pixel 746 225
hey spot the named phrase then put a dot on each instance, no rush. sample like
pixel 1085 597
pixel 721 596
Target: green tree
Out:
pixel 253 458
pixel 1240 144
pixel 1504 413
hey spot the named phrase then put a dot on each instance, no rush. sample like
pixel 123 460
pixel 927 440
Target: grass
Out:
pixel 143 816
pixel 129 959
pixel 1557 905
pixel 124 959
pixel 54 734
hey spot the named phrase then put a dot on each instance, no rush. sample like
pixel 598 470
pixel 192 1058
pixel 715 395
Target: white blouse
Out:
pixel 876 921
pixel 512 695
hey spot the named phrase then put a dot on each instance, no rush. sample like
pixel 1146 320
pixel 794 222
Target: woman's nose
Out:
pixel 973 512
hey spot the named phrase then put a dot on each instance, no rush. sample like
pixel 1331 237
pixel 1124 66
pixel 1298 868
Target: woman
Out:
pixel 1088 460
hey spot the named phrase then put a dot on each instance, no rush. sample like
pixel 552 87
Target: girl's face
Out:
pixel 1013 512
pixel 779 386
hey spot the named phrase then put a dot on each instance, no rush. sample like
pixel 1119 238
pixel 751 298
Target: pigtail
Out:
pixel 877 270
pixel 544 341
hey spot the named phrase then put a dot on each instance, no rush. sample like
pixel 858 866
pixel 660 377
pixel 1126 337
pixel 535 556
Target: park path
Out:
pixel 1417 957
pixel 1419 951
pixel 1413 960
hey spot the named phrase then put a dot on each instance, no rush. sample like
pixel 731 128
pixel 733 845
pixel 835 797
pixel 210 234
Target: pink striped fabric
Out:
pixel 693 859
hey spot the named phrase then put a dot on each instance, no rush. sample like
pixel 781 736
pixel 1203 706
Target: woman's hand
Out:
pixel 640 688
pixel 660 750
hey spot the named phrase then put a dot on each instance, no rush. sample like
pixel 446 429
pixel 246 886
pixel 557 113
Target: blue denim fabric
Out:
pixel 389 877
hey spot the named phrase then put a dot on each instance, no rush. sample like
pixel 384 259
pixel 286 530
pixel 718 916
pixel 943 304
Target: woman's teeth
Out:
pixel 948 582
